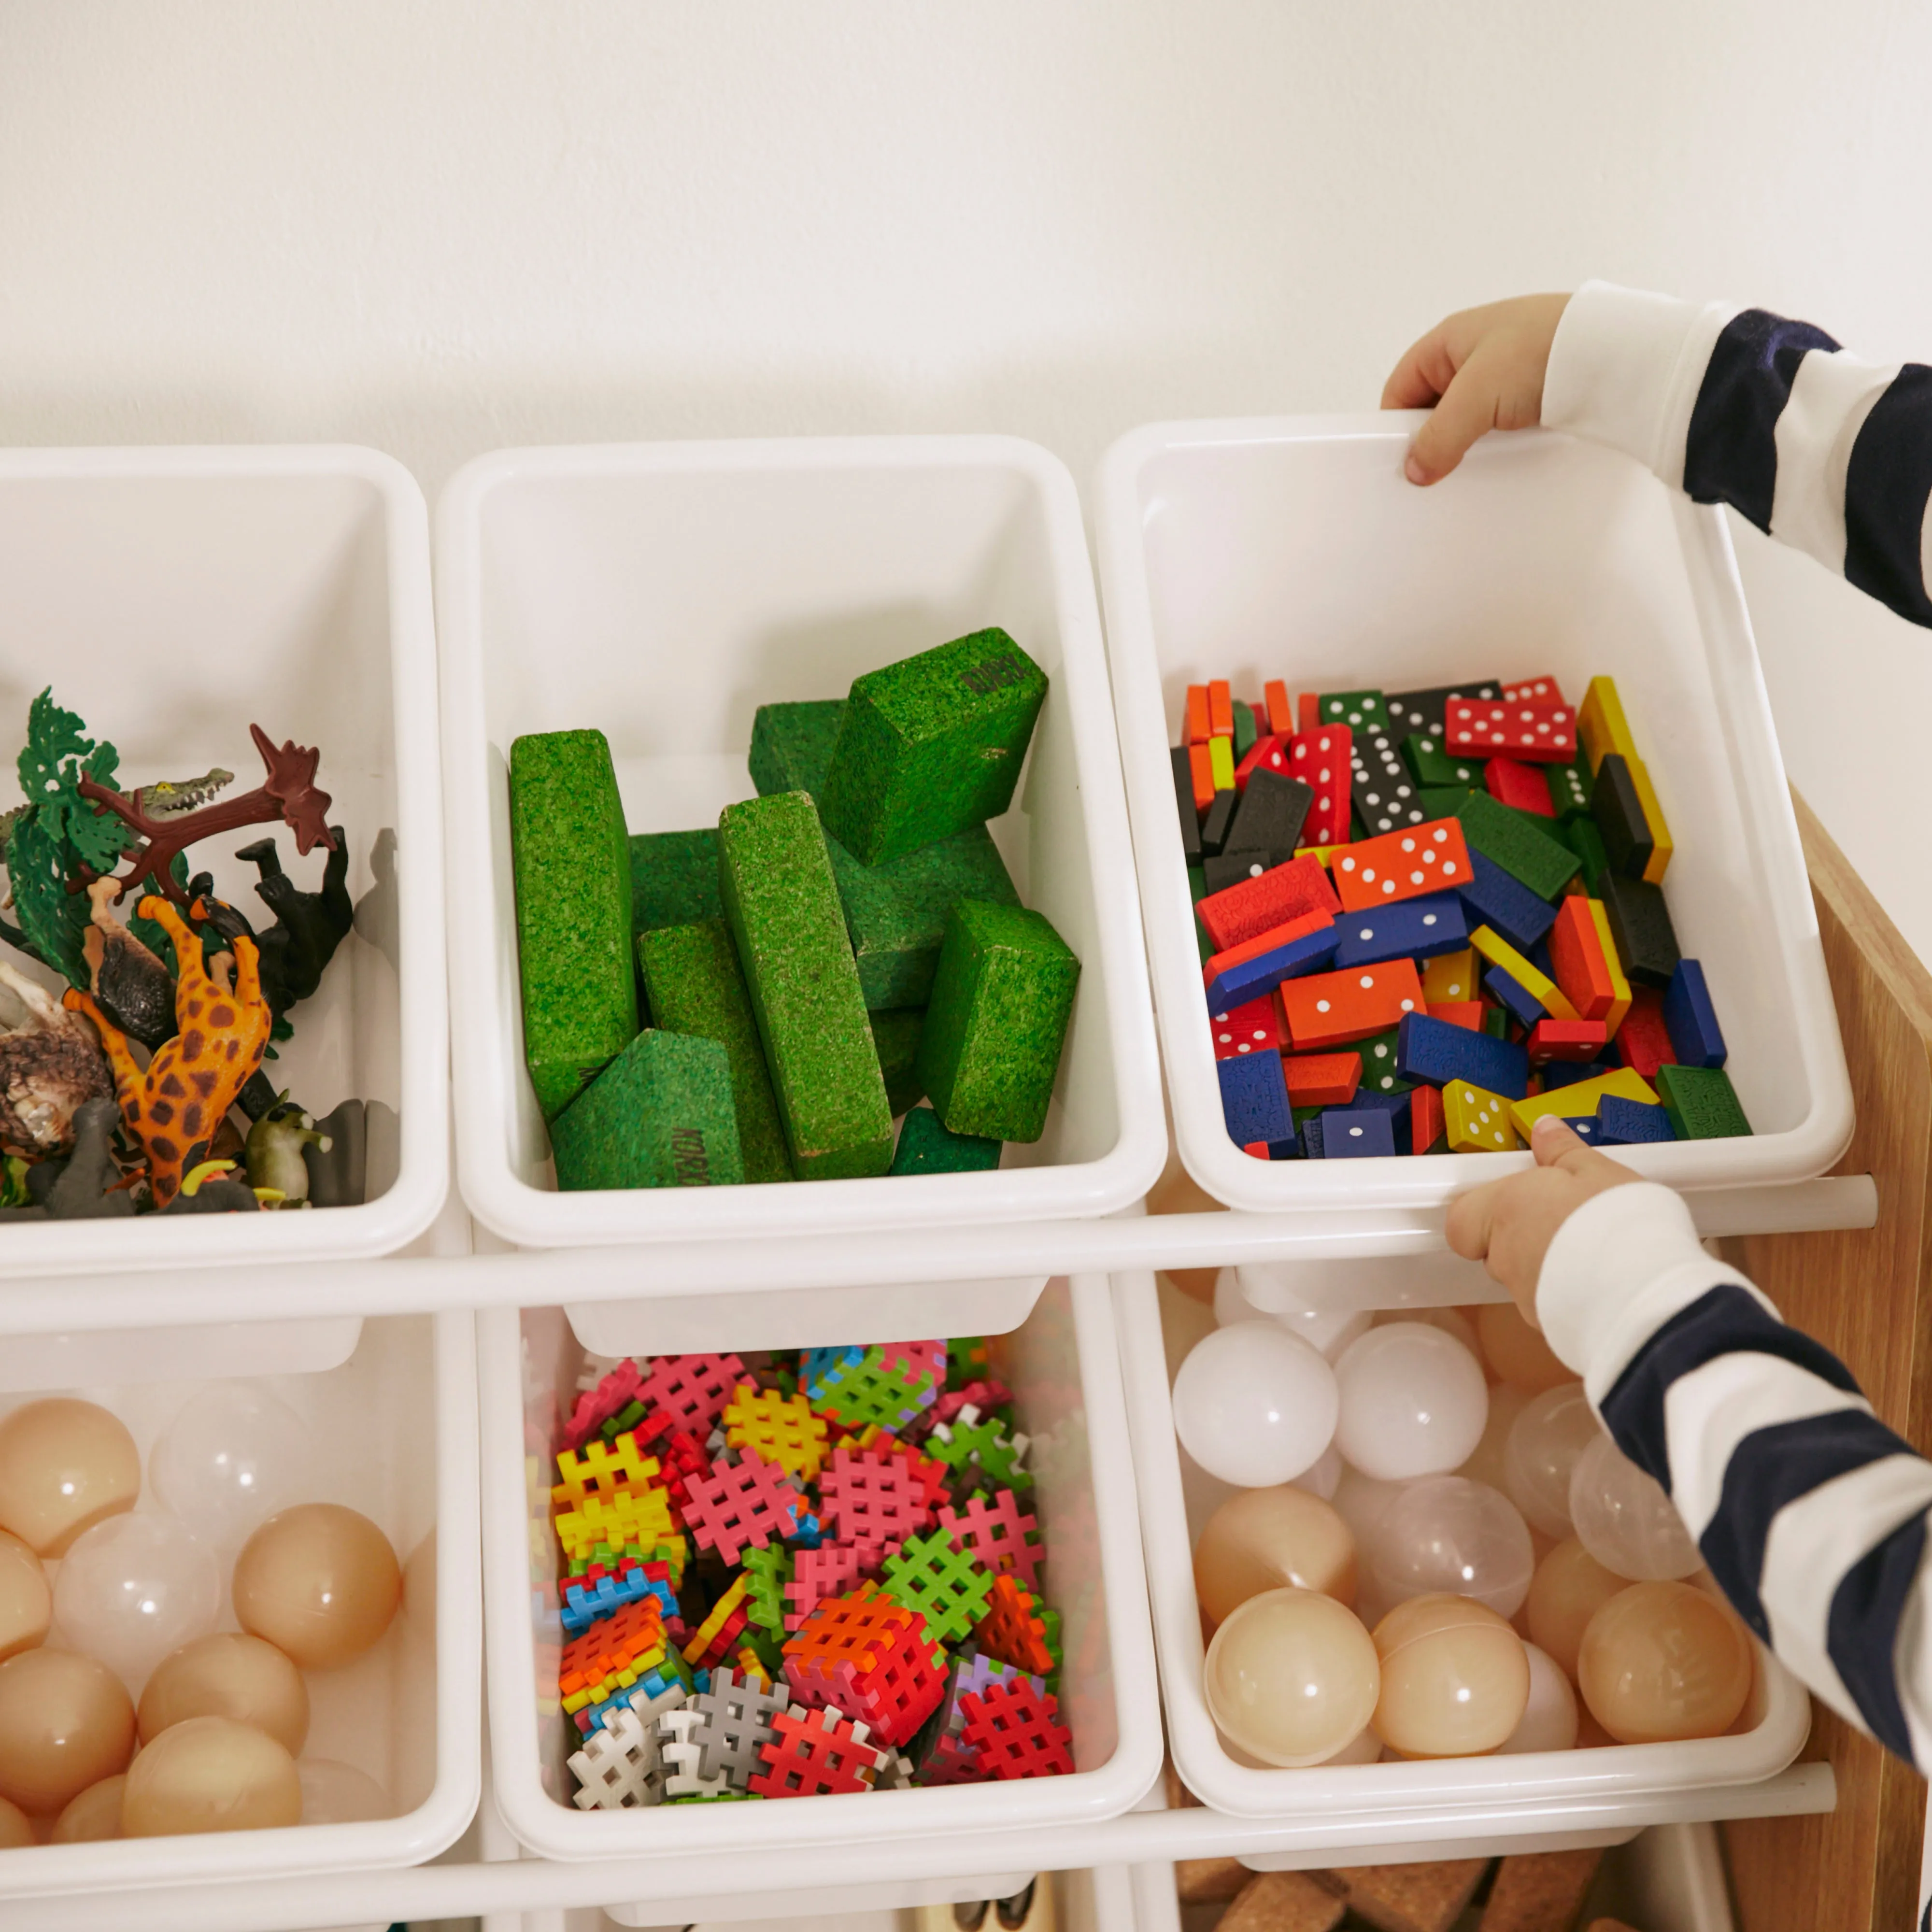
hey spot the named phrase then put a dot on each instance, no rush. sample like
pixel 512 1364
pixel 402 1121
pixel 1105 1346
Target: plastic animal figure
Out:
pixel 134 989
pixel 50 1066
pixel 273 1152
pixel 174 1107
pixel 308 926
pixel 86 1186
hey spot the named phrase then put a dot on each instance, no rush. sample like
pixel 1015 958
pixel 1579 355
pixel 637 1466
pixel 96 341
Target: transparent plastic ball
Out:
pixel 1517 1352
pixel 232 1457
pixel 133 1589
pixel 1445 1534
pixel 1361 1502
pixel 1292 1677
pixel 1551 1431
pixel 1625 1521
pixel 1413 1402
pixel 334 1793
pixel 1254 1405
pixel 1324 1475
pixel 1486 1460
pixel 1549 1720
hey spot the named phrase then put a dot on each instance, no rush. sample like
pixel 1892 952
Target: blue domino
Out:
pixel 1287 1150
pixel 1434 1050
pixel 1568 1072
pixel 1312 1148
pixel 1355 1133
pixel 1411 929
pixel 1515 998
pixel 1506 904
pixel 1395 1105
pixel 1621 1123
pixel 1691 1020
pixel 1254 1098
pixel 1236 985
pixel 1584 1126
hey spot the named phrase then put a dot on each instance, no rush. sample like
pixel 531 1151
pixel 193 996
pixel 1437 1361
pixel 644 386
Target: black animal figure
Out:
pixel 308 927
pixel 86 1185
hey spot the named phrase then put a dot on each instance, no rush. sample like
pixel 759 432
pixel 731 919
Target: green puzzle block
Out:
pixel 998 1020
pixel 660 1115
pixel 568 852
pixel 927 1147
pixel 695 984
pixel 790 933
pixel 931 745
pixel 1433 766
pixel 1702 1103
pixel 895 1036
pixel 1509 839
pixel 674 879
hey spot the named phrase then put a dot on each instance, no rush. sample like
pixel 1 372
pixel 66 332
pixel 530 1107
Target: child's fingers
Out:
pixel 1467 412
pixel 1425 369
pixel 1555 1144
pixel 1470 1218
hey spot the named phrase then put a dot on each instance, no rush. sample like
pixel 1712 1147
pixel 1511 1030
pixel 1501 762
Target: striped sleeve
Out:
pixel 1828 453
pixel 1809 1512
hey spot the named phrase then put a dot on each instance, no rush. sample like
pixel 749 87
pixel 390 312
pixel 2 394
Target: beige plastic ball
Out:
pixel 1269 1539
pixel 66 1722
pixel 95 1815
pixel 64 1466
pixel 210 1774
pixel 26 1598
pixel 16 1829
pixel 1569 1587
pixel 319 1582
pixel 1290 1677
pixel 1517 1352
pixel 229 1674
pixel 1455 1677
pixel 1661 1662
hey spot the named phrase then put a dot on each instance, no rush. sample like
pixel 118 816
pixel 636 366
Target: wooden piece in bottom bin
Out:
pixel 926 1147
pixel 1411 1898
pixel 1691 1020
pixel 1701 1103
pixel 1477 1122
pixel 1285 1901
pixel 1369 1126
pixel 1539 1891
pixel 895 1039
pixel 998 1020
pixel 1646 941
pixel 1246 1029
pixel 1322 1079
pixel 662 1114
pixel 1437 1052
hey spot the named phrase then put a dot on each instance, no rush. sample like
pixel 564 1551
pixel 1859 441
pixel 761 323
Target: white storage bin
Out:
pixel 1294 547
pixel 663 592
pixel 172 598
pixel 1495 1794
pixel 395 1433
pixel 1062 1365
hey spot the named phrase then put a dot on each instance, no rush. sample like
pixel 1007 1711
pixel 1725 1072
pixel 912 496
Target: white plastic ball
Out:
pixel 133 1589
pixel 1550 1718
pixel 231 1459
pixel 1230 1305
pixel 1625 1521
pixel 1552 1430
pixel 334 1793
pixel 1414 1401
pixel 1446 1534
pixel 1322 1477
pixel 1330 1330
pixel 1450 1320
pixel 1254 1405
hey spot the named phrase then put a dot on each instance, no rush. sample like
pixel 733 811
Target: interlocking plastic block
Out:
pixel 782 1429
pixel 1495 900
pixel 1357 1132
pixel 1331 1010
pixel 1582 1096
pixel 1279 895
pixel 971 1440
pixel 875 1390
pixel 722 1622
pixel 733 1720
pixel 1413 928
pixel 998 1020
pixel 767 1571
pixel 895 1039
pixel 1702 1103
pixel 662 1114
pixel 1322 1079
pixel 660 1686
pixel 571 862
pixel 694 1388
pixel 627 1418
pixel 1254 1098
pixel 744 1503
pixel 619 1767
pixel 790 932
pixel 1531 857
pixel 1477 1122
pixel 927 1147
pixel 948 1586
pixel 867 1496
pixel 950 1760
pixel 817 1752
pixel 871 1657
pixel 1622 1123
pixel 1646 941
pixel 623 1516
pixel 599 1467
pixel 931 744
pixel 1695 1035
pixel 1012 1630
pixel 585 1602
pixel 1253 969
pixel 674 879
pixel 832 1570
pixel 1017 1731
pixel 1427 711
pixel 1184 806
pixel 630 1640
pixel 1414 863
pixel 1002 1536
pixel 596 1407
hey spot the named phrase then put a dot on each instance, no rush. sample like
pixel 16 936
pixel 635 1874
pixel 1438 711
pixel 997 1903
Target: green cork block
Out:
pixel 674 879
pixel 695 986
pixel 568 855
pixel 895 1035
pixel 1508 839
pixel 784 912
pixel 931 744
pixel 660 1115
pixel 792 746
pixel 1702 1103
pixel 928 1146
pixel 997 1021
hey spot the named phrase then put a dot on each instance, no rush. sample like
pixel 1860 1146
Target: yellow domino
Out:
pixel 1584 1097
pixel 1449 977
pixel 1477 1122
pixel 1620 990
pixel 1539 985
pixel 1319 853
pixel 1659 863
pixel 1221 763
pixel 1602 724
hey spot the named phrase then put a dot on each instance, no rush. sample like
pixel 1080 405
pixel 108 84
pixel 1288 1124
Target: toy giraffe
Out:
pixel 174 1107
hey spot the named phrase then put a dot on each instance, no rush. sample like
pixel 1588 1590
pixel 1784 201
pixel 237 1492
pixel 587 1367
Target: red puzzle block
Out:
pixel 1643 1041
pixel 1476 728
pixel 1321 757
pixel 830 1571
pixel 1277 897
pixel 596 1406
pixel 1220 709
pixel 1322 1079
pixel 1003 1538
pixel 1012 1630
pixel 819 1753
pixel 1330 1009
pixel 1512 782
pixel 1577 963
pixel 1267 753
pixel 873 1658
pixel 1467 1013
pixel 1581 1040
pixel 741 1505
pixel 1280 713
pixel 1534 691
pixel 1425 1126
pixel 1198 729
pixel 1016 1731
pixel 871 1496
pixel 694 1388
pixel 1251 1028
pixel 1430 858
pixel 951 1760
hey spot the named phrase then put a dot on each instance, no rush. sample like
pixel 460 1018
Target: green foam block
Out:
pixel 1702 1103
pixel 660 1115
pixel 895 1036
pixel 994 1031
pixel 674 879
pixel 568 854
pixel 928 1146
pixel 695 986
pixel 790 932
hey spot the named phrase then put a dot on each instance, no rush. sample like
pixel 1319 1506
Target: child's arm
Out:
pixel 1826 452
pixel 1810 1512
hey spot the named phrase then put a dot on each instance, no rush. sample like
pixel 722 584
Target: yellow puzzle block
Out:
pixel 1477 1122
pixel 1450 977
pixel 599 1467
pixel 1539 985
pixel 1601 724
pixel 623 1516
pixel 777 1428
pixel 1582 1098
pixel 706 1634
pixel 1620 990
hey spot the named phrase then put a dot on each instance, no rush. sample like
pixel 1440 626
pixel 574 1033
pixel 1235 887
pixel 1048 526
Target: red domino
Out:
pixel 1581 1040
pixel 1643 1041
pixel 1475 728
pixel 1332 1009
pixel 1280 713
pixel 1534 691
pixel 1466 1013
pixel 1251 1028
pixel 1268 754
pixel 1577 962
pixel 1321 759
pixel 1282 894
pixel 1322 1079
pixel 1425 1118
pixel 1512 782
pixel 1430 858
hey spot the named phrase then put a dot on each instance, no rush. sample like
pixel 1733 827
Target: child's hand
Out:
pixel 1510 1224
pixel 1482 370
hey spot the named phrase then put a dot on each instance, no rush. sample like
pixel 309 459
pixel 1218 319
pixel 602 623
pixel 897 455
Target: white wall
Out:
pixel 441 227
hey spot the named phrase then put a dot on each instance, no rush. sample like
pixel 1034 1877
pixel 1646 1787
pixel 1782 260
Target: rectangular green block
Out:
pixel 895 1037
pixel 928 1146
pixel 1495 1023
pixel 1360 710
pixel 1570 785
pixel 1583 838
pixel 1246 730
pixel 674 879
pixel 1508 839
pixel 997 1021
pixel 570 859
pixel 1378 1062
pixel 660 1115
pixel 931 744
pixel 1702 1103
pixel 786 922
pixel 695 986
pixel 1197 891
pixel 792 746
pixel 1443 801
pixel 1433 766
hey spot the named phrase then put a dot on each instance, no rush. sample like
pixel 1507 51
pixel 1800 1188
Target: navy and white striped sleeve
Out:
pixel 1826 452
pixel 1809 1512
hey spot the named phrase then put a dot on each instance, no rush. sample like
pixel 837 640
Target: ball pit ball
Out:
pixel 1517 1352
pixel 228 1674
pixel 1413 1402
pixel 1445 1535
pixel 1328 1330
pixel 1360 1501
pixel 1450 1320
pixel 338 1794
pixel 1552 1429
pixel 1569 1587
pixel 133 1589
pixel 26 1598
pixel 1254 1405
pixel 1625 1521
pixel 319 1582
pixel 210 1774
pixel 66 1722
pixel 1550 1718
pixel 1322 1477
pixel 65 1466
pixel 1485 1464
pixel 16 1829
pixel 1662 1662
pixel 1291 1677
pixel 93 1816
pixel 234 1455
pixel 1455 1681
pixel 1270 1539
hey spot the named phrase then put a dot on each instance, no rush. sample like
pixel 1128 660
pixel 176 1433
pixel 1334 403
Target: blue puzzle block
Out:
pixel 1254 1097
pixel 1354 1133
pixel 1691 1020
pixel 1248 980
pixel 1515 998
pixel 1506 904
pixel 1434 1050
pixel 810 1532
pixel 1568 1072
pixel 1621 1123
pixel 1412 929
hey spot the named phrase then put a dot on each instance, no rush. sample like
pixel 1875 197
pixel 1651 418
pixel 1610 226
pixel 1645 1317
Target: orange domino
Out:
pixel 1577 963
pixel 1322 1079
pixel 1201 775
pixel 1220 709
pixel 1280 714
pixel 1198 730
pixel 1308 711
pixel 1333 1009
pixel 1430 858
pixel 1466 1013
pixel 1580 1040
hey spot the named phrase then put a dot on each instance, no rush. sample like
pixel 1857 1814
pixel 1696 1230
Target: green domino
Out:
pixel 1378 1057
pixel 1197 891
pixel 692 979
pixel 1433 766
pixel 1508 839
pixel 674 879
pixel 1442 801
pixel 1246 731
pixel 998 1019
pixel 1701 1102
pixel 660 1115
pixel 931 744
pixel 1495 1023
pixel 784 912
pixel 928 1146
pixel 568 854
pixel 1583 838
pixel 895 1036
pixel 1570 785
pixel 1360 710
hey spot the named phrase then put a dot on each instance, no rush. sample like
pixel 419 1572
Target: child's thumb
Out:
pixel 1467 411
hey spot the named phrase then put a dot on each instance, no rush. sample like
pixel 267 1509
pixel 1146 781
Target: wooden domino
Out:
pixel 1430 858
pixel 1581 1097
pixel 1476 1122
pixel 1522 786
pixel 1330 1009
pixel 1321 758
pixel 1547 993
pixel 1197 725
pixel 1540 732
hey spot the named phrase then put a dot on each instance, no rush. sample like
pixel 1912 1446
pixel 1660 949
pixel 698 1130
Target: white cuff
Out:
pixel 1625 371
pixel 1619 1268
